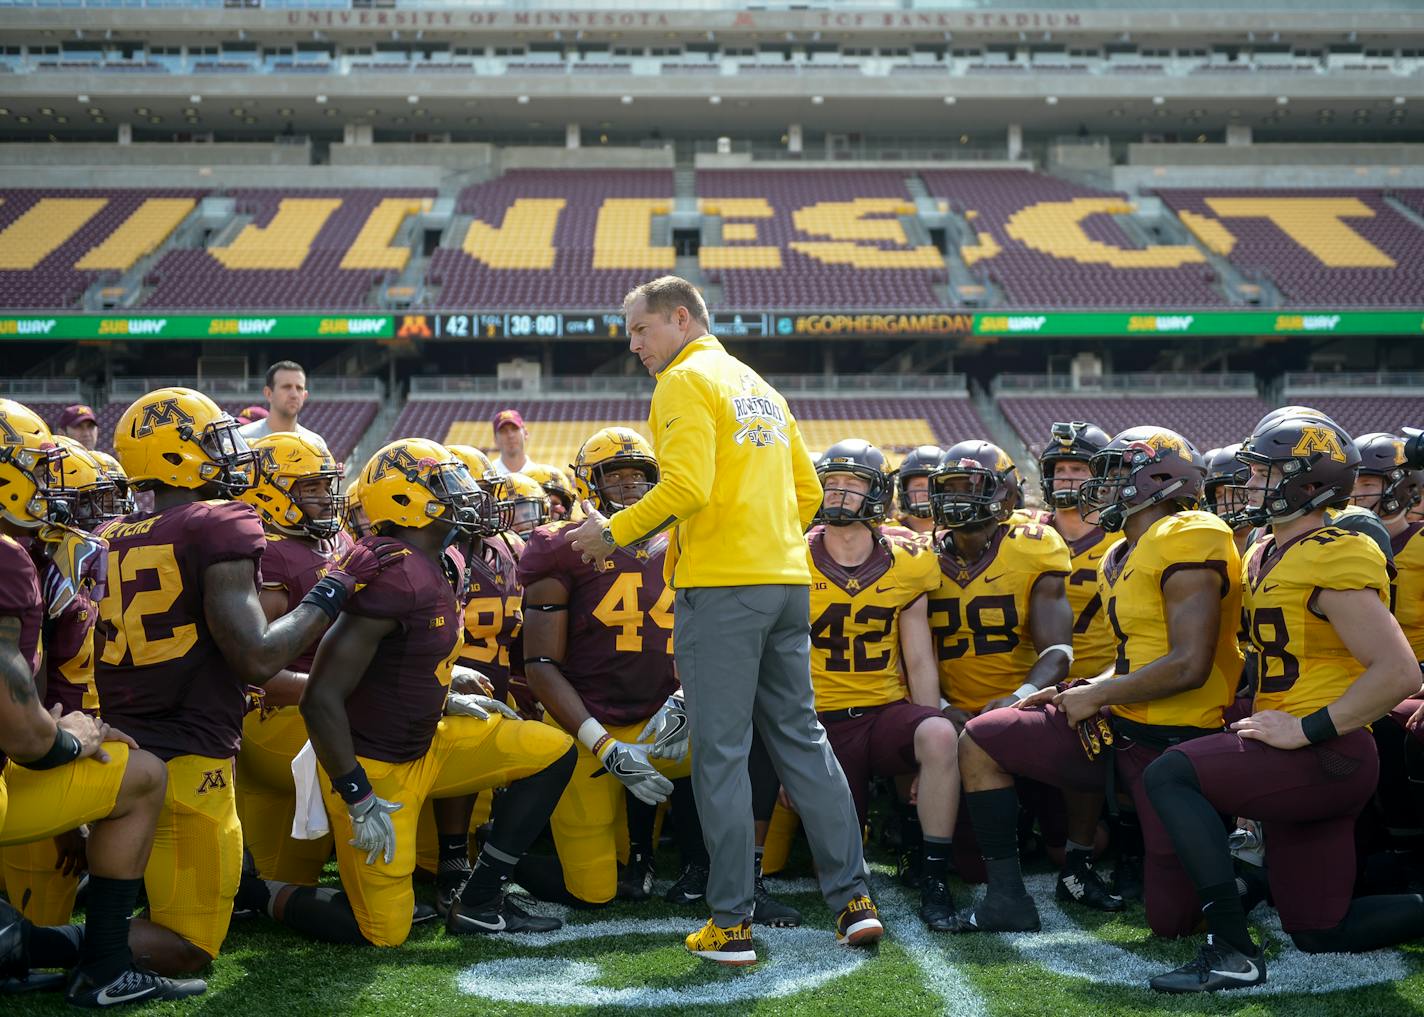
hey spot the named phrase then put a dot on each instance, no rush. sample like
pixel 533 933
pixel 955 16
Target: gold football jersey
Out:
pixel 979 614
pixel 1094 648
pixel 855 620
pixel 1302 663
pixel 1130 583
pixel 1406 592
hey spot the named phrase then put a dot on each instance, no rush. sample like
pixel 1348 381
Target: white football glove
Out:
pixel 457 705
pixel 629 763
pixel 374 832
pixel 668 728
pixel 461 676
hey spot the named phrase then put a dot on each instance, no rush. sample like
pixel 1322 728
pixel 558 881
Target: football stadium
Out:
pixel 589 507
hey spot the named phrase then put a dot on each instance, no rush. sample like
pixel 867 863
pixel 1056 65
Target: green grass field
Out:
pixel 629 959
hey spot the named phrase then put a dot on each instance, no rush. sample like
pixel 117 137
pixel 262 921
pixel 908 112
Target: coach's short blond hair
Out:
pixel 666 294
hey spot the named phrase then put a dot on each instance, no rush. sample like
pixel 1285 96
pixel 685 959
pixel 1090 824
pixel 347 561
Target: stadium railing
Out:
pixel 352 389
pixel 42 390
pixel 1227 383
pixel 1410 383
pixel 437 388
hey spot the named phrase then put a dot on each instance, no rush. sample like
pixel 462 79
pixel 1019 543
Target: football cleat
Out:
pixel 498 914
pixel 132 985
pixel 635 880
pixel 999 913
pixel 909 870
pixel 424 913
pixel 1127 878
pixel 937 906
pixel 691 885
pixel 858 923
pixel 770 911
pixel 731 946
pixel 1081 884
pixel 1217 966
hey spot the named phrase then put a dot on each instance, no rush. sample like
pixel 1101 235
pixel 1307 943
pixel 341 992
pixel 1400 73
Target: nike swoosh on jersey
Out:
pixel 1094 557
pixel 1269 587
pixel 884 589
pixel 990 579
pixel 670 423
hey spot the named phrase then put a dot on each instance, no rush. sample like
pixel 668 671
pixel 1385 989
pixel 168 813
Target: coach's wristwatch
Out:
pixel 608 537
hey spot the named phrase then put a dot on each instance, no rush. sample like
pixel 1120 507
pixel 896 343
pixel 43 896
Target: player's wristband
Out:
pixel 594 737
pixel 1065 648
pixel 329 595
pixel 353 786
pixel 66 749
pixel 1318 727
pixel 1024 691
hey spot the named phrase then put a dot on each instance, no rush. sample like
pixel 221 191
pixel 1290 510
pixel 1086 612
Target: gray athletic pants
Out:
pixel 744 656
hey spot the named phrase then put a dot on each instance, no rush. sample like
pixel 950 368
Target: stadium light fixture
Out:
pixel 1158 100
pixel 321 100
pixel 412 99
pixel 950 100
pixel 523 100
pixel 816 100
pixel 1051 100
pixel 1399 100
pixel 626 100
pixel 83 100
pixel 715 100
pixel 195 99
pixel 1282 100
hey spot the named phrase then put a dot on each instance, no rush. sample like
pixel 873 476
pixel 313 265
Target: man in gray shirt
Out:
pixel 286 394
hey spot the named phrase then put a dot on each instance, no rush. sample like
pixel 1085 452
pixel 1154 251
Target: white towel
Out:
pixel 309 822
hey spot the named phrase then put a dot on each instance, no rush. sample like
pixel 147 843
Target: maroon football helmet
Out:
pixel 1310 463
pixel 1382 455
pixel 994 488
pixel 1141 467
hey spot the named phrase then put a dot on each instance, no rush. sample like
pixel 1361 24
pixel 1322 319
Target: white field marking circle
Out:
pixel 1065 948
pixel 798 960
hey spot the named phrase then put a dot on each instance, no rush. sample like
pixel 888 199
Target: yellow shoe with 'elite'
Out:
pixel 731 946
pixel 858 923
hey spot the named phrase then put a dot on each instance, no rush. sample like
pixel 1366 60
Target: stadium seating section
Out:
pixel 558 428
pixel 787 239
pixel 341 422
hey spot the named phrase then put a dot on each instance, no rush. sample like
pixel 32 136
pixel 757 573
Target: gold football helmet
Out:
pixel 87 487
pixel 613 448
pixel 180 438
pixel 556 484
pixel 293 472
pixel 523 504
pixel 414 481
pixel 31 469
pixel 122 495
pixel 477 463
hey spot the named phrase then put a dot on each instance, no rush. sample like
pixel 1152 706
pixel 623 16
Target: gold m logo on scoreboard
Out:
pixel 1321 440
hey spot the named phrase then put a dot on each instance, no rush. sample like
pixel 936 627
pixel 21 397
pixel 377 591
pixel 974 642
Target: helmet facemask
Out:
pixel 967 494
pixel 50 501
pixel 231 463
pixel 1111 495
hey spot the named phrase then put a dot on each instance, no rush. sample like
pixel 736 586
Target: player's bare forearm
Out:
pixel 284 688
pixel 341 662
pixel 1050 623
pixel 26 728
pixel 545 642
pixel 1193 600
pixel 917 648
pixel 254 648
pixel 1374 638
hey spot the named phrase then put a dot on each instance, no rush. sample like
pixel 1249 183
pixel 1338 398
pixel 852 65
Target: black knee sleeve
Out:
pixel 1192 822
pixel 1372 923
pixel 520 813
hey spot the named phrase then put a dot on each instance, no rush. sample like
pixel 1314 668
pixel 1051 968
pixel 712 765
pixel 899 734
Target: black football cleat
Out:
pixel 691 885
pixel 448 884
pixel 770 911
pixel 1081 884
pixel 498 914
pixel 1127 878
pixel 937 906
pixel 1217 967
pixel 132 985
pixel 998 913
pixel 909 869
pixel 14 942
pixel 635 880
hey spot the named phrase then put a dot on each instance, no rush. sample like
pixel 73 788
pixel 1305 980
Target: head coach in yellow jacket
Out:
pixel 738 489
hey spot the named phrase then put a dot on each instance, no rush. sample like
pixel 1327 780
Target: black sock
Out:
pixel 687 825
pixel 911 833
pixel 995 815
pixel 1076 856
pixel 1225 918
pixel 105 950
pixel 55 946
pixel 641 818
pixel 765 781
pixel 757 852
pixel 522 812
pixel 492 870
pixel 454 852
pixel 324 914
pixel 937 852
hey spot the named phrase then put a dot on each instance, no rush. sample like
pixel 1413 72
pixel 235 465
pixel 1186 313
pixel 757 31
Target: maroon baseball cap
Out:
pixel 507 417
pixel 77 414
pixel 251 414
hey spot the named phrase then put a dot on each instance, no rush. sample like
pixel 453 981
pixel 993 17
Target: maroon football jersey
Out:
pixel 619 650
pixel 68 647
pixel 20 597
pixel 395 708
pixel 494 611
pixel 293 566
pixel 162 679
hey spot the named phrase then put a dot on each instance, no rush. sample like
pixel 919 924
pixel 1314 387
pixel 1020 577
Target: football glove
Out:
pixel 668 729
pixel 468 680
pixel 628 762
pixel 373 830
pixel 480 707
pixel 1095 734
pixel 367 559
